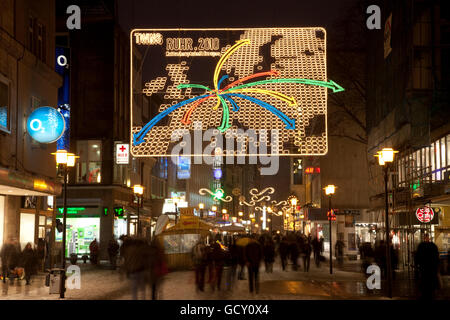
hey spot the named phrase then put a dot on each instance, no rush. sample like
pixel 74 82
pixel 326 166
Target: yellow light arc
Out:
pixel 222 60
pixel 290 100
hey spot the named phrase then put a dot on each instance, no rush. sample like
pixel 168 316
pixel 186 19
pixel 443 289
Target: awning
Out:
pixel 17 183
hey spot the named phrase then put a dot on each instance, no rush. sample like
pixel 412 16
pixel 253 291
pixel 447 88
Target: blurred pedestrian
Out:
pixel 93 249
pixel 113 250
pixel 136 264
pixel 316 246
pixel 218 256
pixel 380 256
pixel 200 260
pixel 306 254
pixel 269 255
pixel 232 262
pixel 241 262
pixel 339 252
pixel 427 264
pixel 9 258
pixel 294 253
pixel 29 262
pixel 157 267
pixel 284 251
pixel 41 253
pixel 253 258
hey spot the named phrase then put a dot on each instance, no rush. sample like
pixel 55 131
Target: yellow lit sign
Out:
pixel 270 81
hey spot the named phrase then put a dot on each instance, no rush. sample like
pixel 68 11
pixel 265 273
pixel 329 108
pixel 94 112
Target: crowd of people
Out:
pixel 144 264
pixel 245 255
pixel 18 264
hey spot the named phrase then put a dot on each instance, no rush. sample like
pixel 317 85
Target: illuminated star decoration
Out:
pixel 235 89
pixel 217 195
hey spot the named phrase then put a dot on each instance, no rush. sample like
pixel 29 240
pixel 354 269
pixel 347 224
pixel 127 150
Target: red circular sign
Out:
pixel 425 214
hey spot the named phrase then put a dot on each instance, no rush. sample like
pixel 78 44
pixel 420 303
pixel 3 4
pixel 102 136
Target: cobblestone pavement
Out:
pixel 105 284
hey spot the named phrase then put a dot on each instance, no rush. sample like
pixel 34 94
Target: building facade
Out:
pixel 408 110
pixel 28 181
pixel 100 193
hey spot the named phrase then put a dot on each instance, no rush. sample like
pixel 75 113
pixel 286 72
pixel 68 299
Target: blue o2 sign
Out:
pixel 46 124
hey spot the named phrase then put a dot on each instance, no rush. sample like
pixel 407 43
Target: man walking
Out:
pixel 199 259
pixel 253 257
pixel 427 263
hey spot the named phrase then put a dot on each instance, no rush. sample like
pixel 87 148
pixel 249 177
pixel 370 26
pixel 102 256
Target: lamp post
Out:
pixel 293 203
pixel 138 191
pixel 385 157
pixel 329 191
pixel 269 210
pixel 64 160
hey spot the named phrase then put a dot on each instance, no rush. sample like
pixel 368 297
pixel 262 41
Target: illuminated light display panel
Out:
pixel 230 80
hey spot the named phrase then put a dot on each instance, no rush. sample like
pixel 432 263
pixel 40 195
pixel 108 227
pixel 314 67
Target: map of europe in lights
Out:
pixel 230 80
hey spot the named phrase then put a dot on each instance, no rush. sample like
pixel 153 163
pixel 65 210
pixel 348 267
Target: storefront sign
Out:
pixel 46 125
pixel 122 153
pixel 79 211
pixel 425 214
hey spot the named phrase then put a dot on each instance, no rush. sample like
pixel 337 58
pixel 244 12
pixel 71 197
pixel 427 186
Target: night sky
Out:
pixel 223 14
pixel 235 14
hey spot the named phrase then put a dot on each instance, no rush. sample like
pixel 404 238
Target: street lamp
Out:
pixel 138 191
pixel 64 160
pixel 385 157
pixel 329 191
pixel 293 203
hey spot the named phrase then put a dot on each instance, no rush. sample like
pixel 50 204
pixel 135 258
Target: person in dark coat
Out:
pixel 339 252
pixel 284 251
pixel 241 262
pixel 427 265
pixel 29 262
pixel 136 265
pixel 294 253
pixel 253 257
pixel 269 255
pixel 41 253
pixel 200 260
pixel 9 258
pixel 316 246
pixel 218 256
pixel 113 250
pixel 93 249
pixel 306 253
pixel 380 257
pixel 233 256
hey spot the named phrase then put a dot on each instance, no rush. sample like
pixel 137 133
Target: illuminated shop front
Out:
pixel 83 226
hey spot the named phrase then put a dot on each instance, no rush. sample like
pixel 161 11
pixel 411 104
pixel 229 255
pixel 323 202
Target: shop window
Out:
pixel 297 171
pixel 89 164
pixel 81 232
pixel 4 104
pixel 27 226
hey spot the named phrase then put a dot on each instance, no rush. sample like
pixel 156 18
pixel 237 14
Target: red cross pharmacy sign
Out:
pixel 122 153
pixel 425 214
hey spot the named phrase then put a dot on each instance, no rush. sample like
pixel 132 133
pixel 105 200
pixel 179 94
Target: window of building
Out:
pixel 89 165
pixel 427 165
pixel 36 38
pixel 30 36
pixel 297 171
pixel 40 41
pixel 4 104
